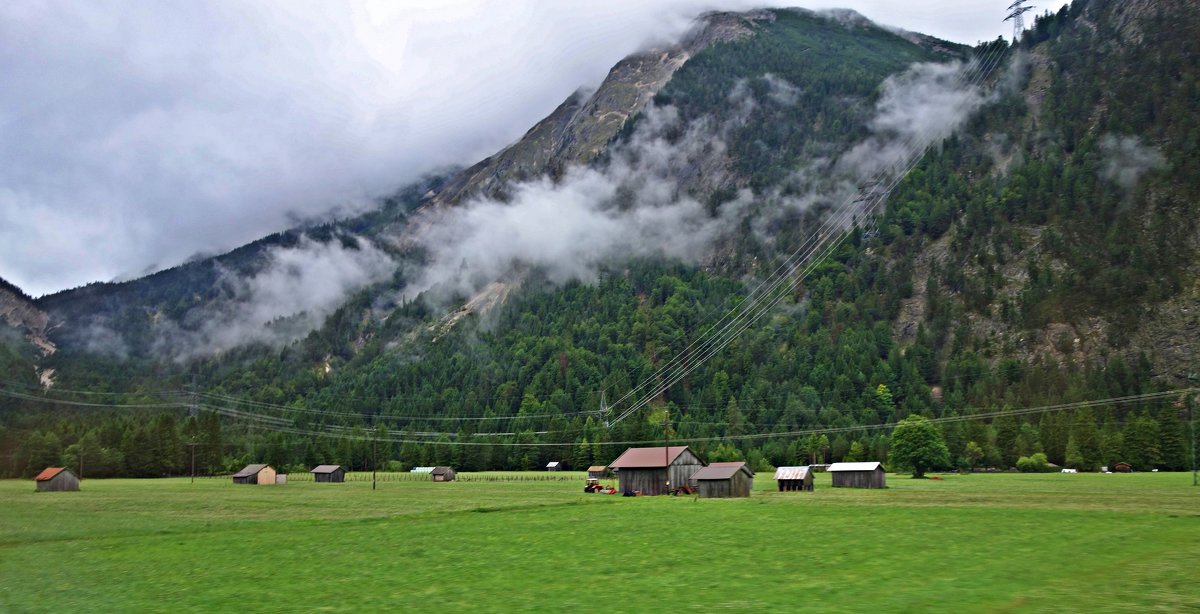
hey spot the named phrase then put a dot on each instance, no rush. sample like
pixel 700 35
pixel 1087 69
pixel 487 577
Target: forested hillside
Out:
pixel 1042 253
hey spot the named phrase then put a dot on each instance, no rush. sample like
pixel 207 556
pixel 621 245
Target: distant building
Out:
pixel 422 469
pixel 255 474
pixel 724 480
pixel 1122 468
pixel 858 475
pixel 442 474
pixel 558 466
pixel 648 470
pixel 328 473
pixel 794 478
pixel 599 471
pixel 56 479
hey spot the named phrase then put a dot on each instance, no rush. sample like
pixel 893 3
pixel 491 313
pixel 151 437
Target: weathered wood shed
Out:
pixel 328 473
pixel 649 470
pixel 442 474
pixel 255 474
pixel 557 466
pixel 724 480
pixel 858 475
pixel 56 479
pixel 598 471
pixel 794 478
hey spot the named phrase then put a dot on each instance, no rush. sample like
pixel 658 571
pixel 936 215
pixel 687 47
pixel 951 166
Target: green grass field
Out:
pixel 1035 543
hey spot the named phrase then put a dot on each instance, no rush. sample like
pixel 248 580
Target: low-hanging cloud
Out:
pixel 292 293
pixel 1127 160
pixel 633 205
pixel 923 105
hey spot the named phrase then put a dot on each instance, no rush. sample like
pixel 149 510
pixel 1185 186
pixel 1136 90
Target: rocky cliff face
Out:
pixel 20 314
pixel 580 128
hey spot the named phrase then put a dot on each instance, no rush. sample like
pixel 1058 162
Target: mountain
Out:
pixel 1037 246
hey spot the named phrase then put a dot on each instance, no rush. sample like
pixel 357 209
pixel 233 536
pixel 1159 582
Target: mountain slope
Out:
pixel 1058 207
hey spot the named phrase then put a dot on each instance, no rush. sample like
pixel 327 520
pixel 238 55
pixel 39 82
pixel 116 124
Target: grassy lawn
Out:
pixel 965 543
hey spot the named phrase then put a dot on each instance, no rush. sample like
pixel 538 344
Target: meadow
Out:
pixel 979 543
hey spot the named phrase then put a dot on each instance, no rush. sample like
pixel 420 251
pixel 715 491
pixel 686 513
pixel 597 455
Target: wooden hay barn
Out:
pixel 56 479
pixel 442 474
pixel 858 475
pixel 557 466
pixel 328 473
pixel 648 470
pixel 794 478
pixel 1122 468
pixel 255 474
pixel 599 471
pixel 724 480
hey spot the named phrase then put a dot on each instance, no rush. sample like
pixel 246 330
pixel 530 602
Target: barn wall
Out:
pixel 714 489
pixel 266 476
pixel 685 466
pixel 860 479
pixel 62 482
pixel 649 481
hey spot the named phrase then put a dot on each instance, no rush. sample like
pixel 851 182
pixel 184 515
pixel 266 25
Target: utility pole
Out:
pixel 81 463
pixel 1016 13
pixel 667 446
pixel 374 451
pixel 192 445
pixel 1191 403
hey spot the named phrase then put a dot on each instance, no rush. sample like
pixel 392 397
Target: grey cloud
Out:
pixel 293 293
pixel 135 135
pixel 922 105
pixel 1126 160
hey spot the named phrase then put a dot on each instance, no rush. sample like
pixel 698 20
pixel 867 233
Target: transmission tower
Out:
pixel 1016 13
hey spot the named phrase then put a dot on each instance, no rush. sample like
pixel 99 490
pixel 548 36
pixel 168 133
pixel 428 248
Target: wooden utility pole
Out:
pixel 667 446
pixel 192 445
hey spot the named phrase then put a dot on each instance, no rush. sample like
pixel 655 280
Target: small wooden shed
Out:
pixel 557 466
pixel 656 471
pixel 328 473
pixel 442 474
pixel 599 472
pixel 734 479
pixel 255 474
pixel 794 478
pixel 1122 468
pixel 56 479
pixel 858 475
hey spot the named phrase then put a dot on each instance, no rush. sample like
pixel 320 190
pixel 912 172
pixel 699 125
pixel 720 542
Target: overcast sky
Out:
pixel 134 135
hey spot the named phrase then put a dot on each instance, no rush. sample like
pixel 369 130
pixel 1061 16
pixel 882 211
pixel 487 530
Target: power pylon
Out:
pixel 1016 13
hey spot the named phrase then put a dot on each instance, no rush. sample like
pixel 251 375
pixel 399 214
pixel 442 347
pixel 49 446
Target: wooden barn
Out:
pixel 1122 468
pixel 794 478
pixel 858 475
pixel 724 480
pixel 255 474
pixel 442 474
pixel 328 473
pixel 648 470
pixel 557 466
pixel 56 479
pixel 599 472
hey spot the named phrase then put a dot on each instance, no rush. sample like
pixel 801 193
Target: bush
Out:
pixel 1033 464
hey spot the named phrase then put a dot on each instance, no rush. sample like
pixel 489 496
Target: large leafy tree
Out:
pixel 917 444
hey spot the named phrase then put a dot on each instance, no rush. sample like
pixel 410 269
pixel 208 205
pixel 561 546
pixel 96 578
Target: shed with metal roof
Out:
pixel 442 474
pixel 557 466
pixel 794 478
pixel 858 475
pixel 328 473
pixel 255 474
pixel 56 479
pixel 733 479
pixel 656 471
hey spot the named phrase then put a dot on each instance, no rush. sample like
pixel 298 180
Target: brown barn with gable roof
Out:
pixel 56 479
pixel 648 470
pixel 328 473
pixel 733 479
pixel 255 474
